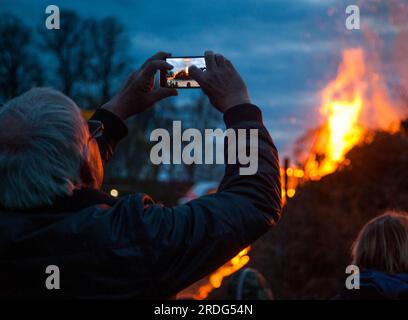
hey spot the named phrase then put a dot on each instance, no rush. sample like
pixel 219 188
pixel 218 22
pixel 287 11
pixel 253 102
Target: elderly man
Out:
pixel 53 214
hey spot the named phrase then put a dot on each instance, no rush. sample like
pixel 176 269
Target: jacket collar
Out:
pixel 80 199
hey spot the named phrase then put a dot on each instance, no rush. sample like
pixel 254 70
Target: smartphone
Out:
pixel 178 77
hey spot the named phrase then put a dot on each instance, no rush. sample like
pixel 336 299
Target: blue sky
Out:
pixel 286 50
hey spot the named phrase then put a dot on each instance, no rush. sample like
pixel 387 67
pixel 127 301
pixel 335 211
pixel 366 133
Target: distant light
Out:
pixel 289 172
pixel 291 193
pixel 298 173
pixel 114 193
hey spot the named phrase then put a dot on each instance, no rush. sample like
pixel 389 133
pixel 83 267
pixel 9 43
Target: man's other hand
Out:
pixel 221 82
pixel 138 93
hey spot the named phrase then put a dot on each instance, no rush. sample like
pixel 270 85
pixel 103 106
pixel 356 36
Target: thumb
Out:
pixel 162 93
pixel 196 74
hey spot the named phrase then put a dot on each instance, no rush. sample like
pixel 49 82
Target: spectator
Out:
pixel 381 253
pixel 53 213
pixel 249 284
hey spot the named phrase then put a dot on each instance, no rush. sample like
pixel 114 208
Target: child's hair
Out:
pixel 382 244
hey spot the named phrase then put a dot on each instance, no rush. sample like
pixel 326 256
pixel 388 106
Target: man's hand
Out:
pixel 138 93
pixel 221 82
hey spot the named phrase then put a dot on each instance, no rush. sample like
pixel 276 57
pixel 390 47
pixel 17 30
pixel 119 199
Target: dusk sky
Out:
pixel 286 50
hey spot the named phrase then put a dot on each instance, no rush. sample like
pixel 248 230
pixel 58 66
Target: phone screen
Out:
pixel 178 77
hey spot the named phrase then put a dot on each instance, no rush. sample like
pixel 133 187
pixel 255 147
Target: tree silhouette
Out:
pixel 87 57
pixel 109 60
pixel 19 66
pixel 69 54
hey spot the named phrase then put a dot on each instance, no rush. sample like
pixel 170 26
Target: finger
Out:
pixel 161 55
pixel 196 74
pixel 229 64
pixel 162 93
pixel 220 60
pixel 210 60
pixel 152 66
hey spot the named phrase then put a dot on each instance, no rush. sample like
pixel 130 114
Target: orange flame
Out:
pixel 216 278
pixel 351 102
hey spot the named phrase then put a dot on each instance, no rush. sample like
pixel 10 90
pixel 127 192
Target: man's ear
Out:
pixel 87 178
pixel 92 170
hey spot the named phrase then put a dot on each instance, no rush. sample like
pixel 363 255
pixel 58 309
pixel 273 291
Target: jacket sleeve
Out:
pixel 114 130
pixel 192 240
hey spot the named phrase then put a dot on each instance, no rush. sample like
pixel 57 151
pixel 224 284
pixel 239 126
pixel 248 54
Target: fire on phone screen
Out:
pixel 178 77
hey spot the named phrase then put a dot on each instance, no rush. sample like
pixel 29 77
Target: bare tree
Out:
pixel 109 59
pixel 69 54
pixel 19 66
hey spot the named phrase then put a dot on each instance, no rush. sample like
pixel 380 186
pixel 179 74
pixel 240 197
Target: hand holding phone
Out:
pixel 221 82
pixel 139 92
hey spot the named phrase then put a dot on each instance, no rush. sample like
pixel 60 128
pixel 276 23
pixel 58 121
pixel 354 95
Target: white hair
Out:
pixel 43 144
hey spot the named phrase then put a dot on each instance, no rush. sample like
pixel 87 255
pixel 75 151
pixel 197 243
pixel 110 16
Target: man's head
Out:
pixel 45 150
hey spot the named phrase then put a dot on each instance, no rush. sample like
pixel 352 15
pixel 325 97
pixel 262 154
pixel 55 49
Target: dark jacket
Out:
pixel 131 247
pixel 375 285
